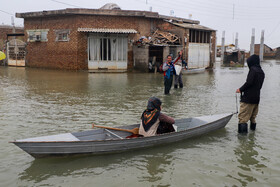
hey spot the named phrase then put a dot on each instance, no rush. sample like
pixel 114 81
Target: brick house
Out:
pixel 101 40
pixel 268 52
pixel 8 29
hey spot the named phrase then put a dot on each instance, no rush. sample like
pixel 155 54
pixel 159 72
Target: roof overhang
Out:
pixel 193 26
pixel 106 30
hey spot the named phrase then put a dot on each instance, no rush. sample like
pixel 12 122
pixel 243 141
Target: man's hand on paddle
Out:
pixel 237 91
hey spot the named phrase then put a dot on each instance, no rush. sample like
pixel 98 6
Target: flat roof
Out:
pixel 105 12
pixel 193 26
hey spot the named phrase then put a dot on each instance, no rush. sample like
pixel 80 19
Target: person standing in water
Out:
pixel 178 75
pixel 169 71
pixel 250 95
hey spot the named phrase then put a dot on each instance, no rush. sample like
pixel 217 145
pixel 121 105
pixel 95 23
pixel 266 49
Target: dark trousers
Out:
pixel 167 84
pixel 178 80
pixel 165 128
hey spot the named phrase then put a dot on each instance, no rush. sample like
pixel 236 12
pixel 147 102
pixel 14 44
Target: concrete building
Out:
pixel 114 40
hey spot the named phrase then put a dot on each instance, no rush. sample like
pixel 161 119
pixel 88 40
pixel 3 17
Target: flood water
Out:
pixel 36 102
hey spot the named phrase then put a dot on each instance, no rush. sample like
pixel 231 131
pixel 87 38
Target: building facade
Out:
pixel 102 40
pixel 8 29
pixel 268 52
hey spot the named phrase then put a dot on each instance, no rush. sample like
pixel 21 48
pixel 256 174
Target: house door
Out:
pixel 155 57
pixel 199 55
pixel 107 52
pixel 16 52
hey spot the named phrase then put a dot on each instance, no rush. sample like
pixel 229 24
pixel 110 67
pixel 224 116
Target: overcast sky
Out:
pixel 230 16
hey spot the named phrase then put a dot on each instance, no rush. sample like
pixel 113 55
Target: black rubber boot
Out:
pixel 181 85
pixel 243 128
pixel 253 126
pixel 175 86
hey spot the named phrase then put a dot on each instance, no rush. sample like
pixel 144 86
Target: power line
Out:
pixel 223 4
pixel 66 4
pixel 218 9
pixel 6 12
pixel 211 12
pixel 273 30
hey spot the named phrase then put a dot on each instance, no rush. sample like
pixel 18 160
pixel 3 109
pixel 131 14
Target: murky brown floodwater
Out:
pixel 35 102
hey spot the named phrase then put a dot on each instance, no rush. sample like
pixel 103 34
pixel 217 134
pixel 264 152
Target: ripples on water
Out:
pixel 36 102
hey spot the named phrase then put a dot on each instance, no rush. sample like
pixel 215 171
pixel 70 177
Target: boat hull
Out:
pixel 62 148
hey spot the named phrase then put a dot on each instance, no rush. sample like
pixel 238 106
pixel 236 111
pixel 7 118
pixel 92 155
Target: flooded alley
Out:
pixel 39 102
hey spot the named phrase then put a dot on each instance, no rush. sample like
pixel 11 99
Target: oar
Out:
pixel 133 131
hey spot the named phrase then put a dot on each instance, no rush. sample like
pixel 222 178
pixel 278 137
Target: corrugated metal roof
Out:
pixel 105 30
pixel 193 26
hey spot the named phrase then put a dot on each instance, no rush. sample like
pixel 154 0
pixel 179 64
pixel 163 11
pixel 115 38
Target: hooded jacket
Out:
pixel 250 91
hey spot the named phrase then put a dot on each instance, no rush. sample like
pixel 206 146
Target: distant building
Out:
pixel 268 52
pixel 277 53
pixel 110 39
pixel 7 29
pixel 228 48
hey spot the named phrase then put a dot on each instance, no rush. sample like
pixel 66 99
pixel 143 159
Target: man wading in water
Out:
pixel 169 71
pixel 178 75
pixel 250 95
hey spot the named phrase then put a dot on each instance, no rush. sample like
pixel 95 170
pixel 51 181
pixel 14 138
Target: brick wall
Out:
pixel 73 54
pixel 52 54
pixel 268 53
pixel 4 30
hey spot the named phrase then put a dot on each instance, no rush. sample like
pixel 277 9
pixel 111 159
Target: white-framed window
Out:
pixel 62 35
pixel 38 35
pixel 107 47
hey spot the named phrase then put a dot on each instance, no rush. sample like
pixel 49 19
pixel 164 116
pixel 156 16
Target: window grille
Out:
pixel 108 48
pixel 38 35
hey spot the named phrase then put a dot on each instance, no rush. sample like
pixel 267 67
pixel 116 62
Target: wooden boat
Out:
pixel 101 141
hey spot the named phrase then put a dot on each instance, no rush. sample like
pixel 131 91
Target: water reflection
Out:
pixel 151 164
pixel 150 161
pixel 247 157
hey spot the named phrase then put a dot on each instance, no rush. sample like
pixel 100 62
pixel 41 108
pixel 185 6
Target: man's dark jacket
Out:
pixel 250 91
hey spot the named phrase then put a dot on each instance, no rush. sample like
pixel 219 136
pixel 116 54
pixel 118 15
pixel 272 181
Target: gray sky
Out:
pixel 222 15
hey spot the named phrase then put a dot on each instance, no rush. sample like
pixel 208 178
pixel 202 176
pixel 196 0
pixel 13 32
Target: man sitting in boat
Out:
pixel 153 121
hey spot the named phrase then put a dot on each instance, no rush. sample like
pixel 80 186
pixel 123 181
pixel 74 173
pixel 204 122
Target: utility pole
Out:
pixel 236 41
pixel 262 46
pixel 252 47
pixel 223 47
pixel 13 24
pixel 233 11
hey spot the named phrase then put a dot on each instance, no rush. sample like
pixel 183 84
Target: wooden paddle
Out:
pixel 133 131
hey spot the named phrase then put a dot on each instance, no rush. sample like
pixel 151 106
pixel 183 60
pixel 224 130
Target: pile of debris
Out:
pixel 160 38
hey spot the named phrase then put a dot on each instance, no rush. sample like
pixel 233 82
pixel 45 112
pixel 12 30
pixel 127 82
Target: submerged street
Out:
pixel 39 102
